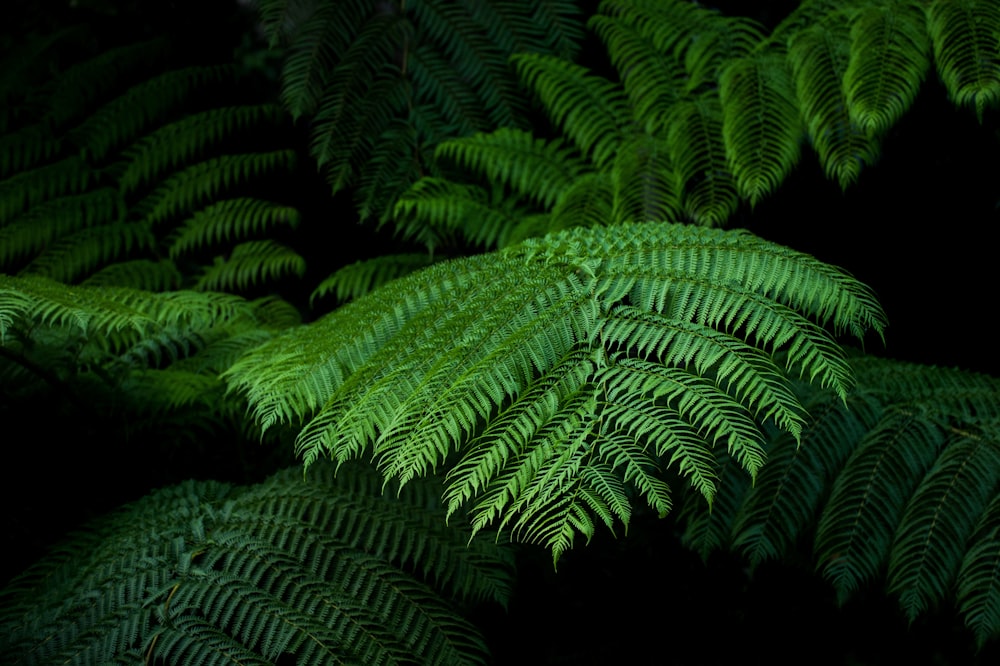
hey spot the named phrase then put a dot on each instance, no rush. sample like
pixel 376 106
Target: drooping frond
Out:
pixel 359 72
pixel 620 350
pixel 228 220
pixel 589 110
pixel 967 51
pixel 819 57
pixel 889 58
pixel 761 125
pixel 327 569
pixel 901 483
pixel 644 181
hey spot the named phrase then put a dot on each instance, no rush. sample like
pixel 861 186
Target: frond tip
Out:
pixel 550 365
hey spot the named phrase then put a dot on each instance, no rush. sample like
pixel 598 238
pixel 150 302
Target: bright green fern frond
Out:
pixel 249 264
pixel 761 125
pixel 655 340
pixel 819 58
pixel 967 51
pixel 589 109
pixel 890 53
pixel 534 168
pixel 228 220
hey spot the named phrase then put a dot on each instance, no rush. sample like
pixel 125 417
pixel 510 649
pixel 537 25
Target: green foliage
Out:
pixel 115 159
pixel 383 83
pixel 707 110
pixel 328 570
pixel 902 481
pixel 548 376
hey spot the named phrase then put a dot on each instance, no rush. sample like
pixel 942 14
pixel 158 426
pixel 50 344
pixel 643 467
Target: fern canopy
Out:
pixel 328 571
pixel 553 376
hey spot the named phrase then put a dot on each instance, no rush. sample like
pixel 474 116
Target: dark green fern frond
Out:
pixel 590 110
pixel 536 169
pixel 623 350
pixel 361 277
pixel 228 220
pixel 889 58
pixel 74 255
pixel 587 203
pixel 324 570
pixel 644 181
pixel 899 483
pixel 761 125
pixel 367 75
pixel 819 57
pixel 967 51
pixel 249 264
pixel 139 274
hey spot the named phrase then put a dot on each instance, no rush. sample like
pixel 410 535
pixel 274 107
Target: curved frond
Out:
pixel 889 58
pixel 251 263
pixel 819 57
pixel 228 220
pixel 645 182
pixel 967 51
pixel 654 340
pixel 363 276
pixel 326 569
pixel 761 125
pixel 589 109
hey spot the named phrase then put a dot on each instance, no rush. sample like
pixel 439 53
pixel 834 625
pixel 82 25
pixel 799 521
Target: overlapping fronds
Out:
pixel 326 570
pixel 901 482
pixel 368 75
pixel 967 51
pixel 249 264
pixel 708 110
pixel 550 376
pixel 109 177
pixel 357 279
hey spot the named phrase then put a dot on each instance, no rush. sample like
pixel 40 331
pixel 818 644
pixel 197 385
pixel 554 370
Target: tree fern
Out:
pixel 655 341
pixel 324 571
pixel 964 35
pixel 900 484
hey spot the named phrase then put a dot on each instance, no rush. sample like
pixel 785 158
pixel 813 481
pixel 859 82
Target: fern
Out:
pixel 367 76
pixel 625 325
pixel 900 483
pixel 327 571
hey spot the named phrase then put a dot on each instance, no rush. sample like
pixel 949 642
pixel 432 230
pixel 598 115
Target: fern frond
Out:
pixel 977 593
pixel 174 144
pixel 819 58
pixel 644 181
pixel 228 220
pixel 659 339
pixel 534 168
pixel 967 51
pixel 761 125
pixel 587 203
pixel 201 182
pixel 707 188
pixel 363 276
pixel 77 253
pixel 65 177
pixel 590 110
pixel 939 520
pixel 889 59
pixel 249 264
pixel 328 570
pixel 137 274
